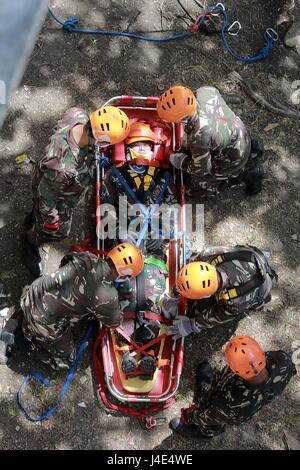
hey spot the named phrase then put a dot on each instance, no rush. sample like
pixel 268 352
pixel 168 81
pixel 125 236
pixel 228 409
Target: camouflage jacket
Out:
pixel 219 308
pixel 216 138
pixel 63 173
pixel 155 286
pixel 82 286
pixel 232 400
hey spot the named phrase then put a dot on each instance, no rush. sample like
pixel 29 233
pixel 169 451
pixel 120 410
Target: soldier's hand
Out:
pixel 182 327
pixel 169 306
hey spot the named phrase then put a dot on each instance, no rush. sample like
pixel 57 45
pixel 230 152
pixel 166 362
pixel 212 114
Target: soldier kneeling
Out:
pixel 236 393
pixel 221 284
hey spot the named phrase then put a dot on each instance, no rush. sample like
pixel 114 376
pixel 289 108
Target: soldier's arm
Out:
pixel 207 252
pixel 107 308
pixel 50 191
pixel 209 314
pixel 198 164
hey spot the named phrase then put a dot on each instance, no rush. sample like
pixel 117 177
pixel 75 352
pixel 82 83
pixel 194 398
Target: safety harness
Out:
pixel 256 281
pixel 148 214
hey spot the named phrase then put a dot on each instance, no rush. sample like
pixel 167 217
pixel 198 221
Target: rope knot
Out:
pixel 69 24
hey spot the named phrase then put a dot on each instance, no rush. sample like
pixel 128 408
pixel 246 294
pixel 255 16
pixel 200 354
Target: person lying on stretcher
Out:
pixel 149 184
pixel 142 296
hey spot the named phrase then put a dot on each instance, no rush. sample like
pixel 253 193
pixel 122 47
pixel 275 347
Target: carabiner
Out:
pixel 272 34
pixel 150 422
pixel 221 6
pixel 235 24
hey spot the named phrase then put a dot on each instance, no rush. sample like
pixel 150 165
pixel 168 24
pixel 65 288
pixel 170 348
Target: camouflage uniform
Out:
pixel 82 286
pixel 154 287
pixel 231 400
pixel 218 142
pixel 60 177
pixel 147 188
pixel 218 309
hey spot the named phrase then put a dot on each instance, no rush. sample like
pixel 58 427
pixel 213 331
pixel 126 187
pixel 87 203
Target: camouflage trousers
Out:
pixel 37 235
pixel 57 342
pixel 196 415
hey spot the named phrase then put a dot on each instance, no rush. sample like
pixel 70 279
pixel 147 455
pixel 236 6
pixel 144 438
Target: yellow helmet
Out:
pixel 109 124
pixel 197 280
pixel 127 259
pixel 176 103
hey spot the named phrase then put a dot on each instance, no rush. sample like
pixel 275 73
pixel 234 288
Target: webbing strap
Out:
pixel 130 340
pixel 147 315
pixel 238 291
pixel 146 346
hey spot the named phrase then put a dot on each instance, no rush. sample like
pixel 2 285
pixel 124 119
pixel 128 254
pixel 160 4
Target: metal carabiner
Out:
pixel 272 34
pixel 150 423
pixel 233 25
pixel 221 6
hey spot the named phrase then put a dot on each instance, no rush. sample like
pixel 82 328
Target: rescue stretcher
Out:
pixel 115 390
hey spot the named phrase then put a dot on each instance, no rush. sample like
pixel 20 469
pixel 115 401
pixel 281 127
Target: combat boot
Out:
pixel 129 363
pixel 188 431
pixel 31 257
pixel 253 178
pixel 148 365
pixel 257 149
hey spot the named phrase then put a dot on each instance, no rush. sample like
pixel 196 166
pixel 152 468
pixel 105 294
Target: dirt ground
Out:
pixel 84 70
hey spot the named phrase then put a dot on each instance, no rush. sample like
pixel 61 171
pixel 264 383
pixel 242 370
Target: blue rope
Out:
pixel 47 384
pixel 262 54
pixel 70 25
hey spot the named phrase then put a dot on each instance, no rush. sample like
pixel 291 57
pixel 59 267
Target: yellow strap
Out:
pixel 218 260
pixel 163 362
pixel 137 181
pixel 229 294
pixel 148 177
pixel 123 348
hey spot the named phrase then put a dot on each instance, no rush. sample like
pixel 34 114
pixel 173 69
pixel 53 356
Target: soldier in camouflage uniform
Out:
pixel 147 183
pixel 62 175
pixel 218 147
pixel 235 394
pixel 222 284
pixel 152 282
pixel 84 285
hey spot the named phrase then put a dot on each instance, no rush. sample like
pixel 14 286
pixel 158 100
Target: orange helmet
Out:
pixel 245 357
pixel 197 280
pixel 176 103
pixel 110 125
pixel 128 259
pixel 140 132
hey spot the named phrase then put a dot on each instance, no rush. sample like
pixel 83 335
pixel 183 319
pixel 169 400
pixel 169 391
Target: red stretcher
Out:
pixel 116 391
